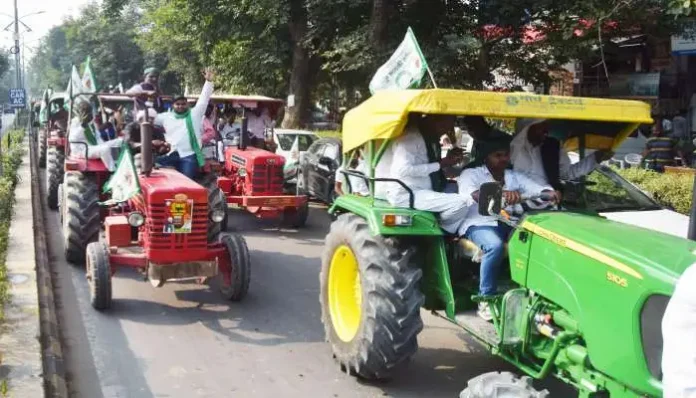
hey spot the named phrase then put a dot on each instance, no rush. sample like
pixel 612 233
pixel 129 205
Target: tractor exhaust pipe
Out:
pixel 146 148
pixel 245 133
pixel 692 215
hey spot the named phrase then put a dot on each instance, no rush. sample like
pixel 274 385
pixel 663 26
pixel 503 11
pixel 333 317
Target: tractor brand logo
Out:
pixel 270 161
pixel 238 160
pixel 613 278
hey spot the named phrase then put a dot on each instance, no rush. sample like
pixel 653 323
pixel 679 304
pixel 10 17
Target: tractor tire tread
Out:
pixel 240 263
pixel 54 175
pixel 390 279
pixel 81 222
pixel 42 144
pixel 100 289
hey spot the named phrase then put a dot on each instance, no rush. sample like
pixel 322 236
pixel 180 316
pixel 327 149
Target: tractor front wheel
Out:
pixel 296 217
pixel 42 143
pixel 216 199
pixel 370 299
pixel 235 272
pixel 81 215
pixel 99 275
pixel 54 175
pixel 490 385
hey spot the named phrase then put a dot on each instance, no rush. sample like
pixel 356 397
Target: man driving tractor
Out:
pixel 184 129
pixel 485 231
pixel 417 164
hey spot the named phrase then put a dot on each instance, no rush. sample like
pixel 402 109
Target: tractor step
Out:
pixel 470 321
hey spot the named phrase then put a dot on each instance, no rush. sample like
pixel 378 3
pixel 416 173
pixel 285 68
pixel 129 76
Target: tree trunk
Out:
pixel 379 23
pixel 296 116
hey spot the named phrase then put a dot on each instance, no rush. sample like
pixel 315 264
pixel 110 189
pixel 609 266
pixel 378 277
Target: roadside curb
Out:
pixel 55 384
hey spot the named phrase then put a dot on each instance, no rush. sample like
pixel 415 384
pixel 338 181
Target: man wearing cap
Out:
pixel 543 158
pixel 147 88
pixel 415 161
pixel 485 231
pixel 183 129
pixel 480 132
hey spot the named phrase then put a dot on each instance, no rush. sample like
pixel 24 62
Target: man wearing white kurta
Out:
pixel 543 159
pixel 679 346
pixel 83 131
pixel 183 129
pixel 412 164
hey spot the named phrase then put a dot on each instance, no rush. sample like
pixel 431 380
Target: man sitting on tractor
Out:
pixel 485 231
pixel 543 158
pixel 183 130
pixel 358 185
pixel 480 131
pixel 416 162
pixel 83 131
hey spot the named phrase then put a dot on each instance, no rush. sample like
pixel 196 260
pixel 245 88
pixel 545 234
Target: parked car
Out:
pixel 317 172
pixel 292 145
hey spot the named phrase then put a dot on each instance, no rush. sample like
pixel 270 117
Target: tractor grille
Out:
pixel 267 180
pixel 197 239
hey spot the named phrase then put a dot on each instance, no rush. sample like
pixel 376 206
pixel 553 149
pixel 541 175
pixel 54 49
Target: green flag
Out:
pixel 405 69
pixel 124 183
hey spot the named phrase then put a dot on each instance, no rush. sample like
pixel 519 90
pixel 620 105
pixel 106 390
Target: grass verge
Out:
pixel 11 159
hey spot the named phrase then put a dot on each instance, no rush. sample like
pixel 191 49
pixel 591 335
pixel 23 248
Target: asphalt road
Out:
pixel 183 340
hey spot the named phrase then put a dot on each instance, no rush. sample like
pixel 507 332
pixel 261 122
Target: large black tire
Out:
pixel 81 218
pixel 42 144
pixel 296 217
pixel 389 302
pixel 240 261
pixel 54 175
pixel 501 384
pixel 99 275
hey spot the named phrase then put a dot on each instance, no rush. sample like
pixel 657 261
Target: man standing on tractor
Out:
pixel 543 158
pixel 183 130
pixel 486 232
pixel 416 162
pixel 259 121
pixel 149 87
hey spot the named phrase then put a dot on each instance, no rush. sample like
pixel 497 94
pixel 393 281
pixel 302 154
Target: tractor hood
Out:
pixel 640 252
pixel 164 184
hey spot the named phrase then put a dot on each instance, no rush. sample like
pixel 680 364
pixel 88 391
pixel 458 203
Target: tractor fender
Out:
pixel 423 223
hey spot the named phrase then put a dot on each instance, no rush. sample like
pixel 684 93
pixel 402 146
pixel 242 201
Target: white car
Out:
pixel 292 145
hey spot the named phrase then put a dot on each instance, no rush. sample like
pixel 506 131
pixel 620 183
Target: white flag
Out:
pixel 89 83
pixel 124 183
pixel 74 88
pixel 405 68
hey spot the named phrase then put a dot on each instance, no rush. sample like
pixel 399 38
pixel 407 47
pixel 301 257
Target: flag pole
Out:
pixel 430 73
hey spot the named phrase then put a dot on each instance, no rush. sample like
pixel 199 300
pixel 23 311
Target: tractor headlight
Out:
pixel 217 215
pixel 396 220
pixel 136 219
pixel 242 172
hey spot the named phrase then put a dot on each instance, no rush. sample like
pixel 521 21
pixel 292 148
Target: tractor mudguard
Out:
pixel 423 223
pixel 437 283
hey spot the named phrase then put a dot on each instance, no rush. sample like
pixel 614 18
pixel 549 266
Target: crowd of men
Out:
pixel 179 133
pixel 530 165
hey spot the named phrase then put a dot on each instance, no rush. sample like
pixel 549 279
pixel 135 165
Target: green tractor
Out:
pixel 583 296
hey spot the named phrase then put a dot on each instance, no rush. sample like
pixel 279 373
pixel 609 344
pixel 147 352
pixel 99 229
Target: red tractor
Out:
pixel 169 231
pixel 253 178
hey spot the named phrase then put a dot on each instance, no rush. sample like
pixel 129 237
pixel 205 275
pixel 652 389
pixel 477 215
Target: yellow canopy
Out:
pixel 385 114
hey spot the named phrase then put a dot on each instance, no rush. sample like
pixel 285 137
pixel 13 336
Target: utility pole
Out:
pixel 16 48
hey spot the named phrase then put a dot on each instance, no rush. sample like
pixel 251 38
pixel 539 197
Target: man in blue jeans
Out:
pixel 485 231
pixel 183 130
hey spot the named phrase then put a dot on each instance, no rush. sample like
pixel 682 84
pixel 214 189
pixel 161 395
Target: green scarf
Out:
pixel 192 136
pixel 90 134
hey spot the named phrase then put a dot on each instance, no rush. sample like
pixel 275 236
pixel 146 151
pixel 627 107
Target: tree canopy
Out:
pixel 328 50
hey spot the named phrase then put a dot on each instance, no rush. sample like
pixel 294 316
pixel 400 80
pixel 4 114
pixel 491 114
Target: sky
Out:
pixel 55 12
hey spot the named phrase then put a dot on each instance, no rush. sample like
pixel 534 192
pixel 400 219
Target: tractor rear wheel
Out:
pixel 42 143
pixel 54 175
pixel 216 199
pixel 235 286
pixel 501 384
pixel 81 215
pixel 370 299
pixel 99 275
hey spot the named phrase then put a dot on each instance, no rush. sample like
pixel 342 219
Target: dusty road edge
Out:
pixel 55 384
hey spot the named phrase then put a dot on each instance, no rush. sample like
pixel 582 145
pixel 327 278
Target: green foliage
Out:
pixel 328 134
pixel 673 190
pixel 11 159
